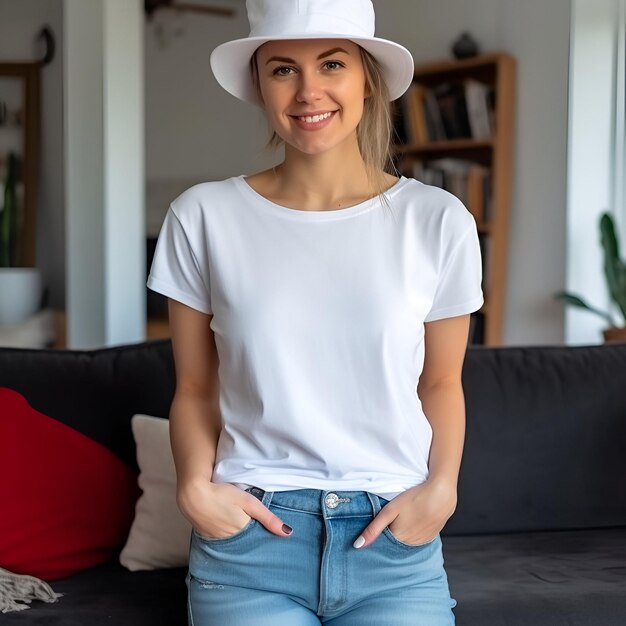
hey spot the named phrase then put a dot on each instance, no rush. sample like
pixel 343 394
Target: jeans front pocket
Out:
pixel 387 532
pixel 382 502
pixel 265 498
pixel 212 540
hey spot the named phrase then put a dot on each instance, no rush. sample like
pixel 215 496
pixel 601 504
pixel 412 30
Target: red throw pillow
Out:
pixel 66 501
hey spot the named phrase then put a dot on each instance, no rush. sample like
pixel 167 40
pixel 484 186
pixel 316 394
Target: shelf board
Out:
pixel 460 65
pixel 483 67
pixel 448 145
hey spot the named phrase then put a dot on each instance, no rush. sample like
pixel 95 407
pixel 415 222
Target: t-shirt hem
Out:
pixel 459 309
pixel 385 495
pixel 170 291
pixel 388 492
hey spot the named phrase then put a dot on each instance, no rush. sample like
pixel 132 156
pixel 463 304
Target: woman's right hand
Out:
pixel 218 511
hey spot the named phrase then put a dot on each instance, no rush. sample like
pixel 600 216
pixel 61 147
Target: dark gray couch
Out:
pixel 539 534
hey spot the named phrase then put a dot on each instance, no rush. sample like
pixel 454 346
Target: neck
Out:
pixel 324 181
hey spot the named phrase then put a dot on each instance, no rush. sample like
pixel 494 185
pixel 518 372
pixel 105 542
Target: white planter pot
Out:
pixel 20 293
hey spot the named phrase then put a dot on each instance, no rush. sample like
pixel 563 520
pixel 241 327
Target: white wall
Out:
pixel 596 157
pixel 103 99
pixel 195 131
pixel 124 171
pixel 536 32
pixel 20 23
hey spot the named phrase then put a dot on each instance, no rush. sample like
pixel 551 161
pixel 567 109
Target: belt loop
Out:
pixel 267 497
pixel 375 501
pixel 257 492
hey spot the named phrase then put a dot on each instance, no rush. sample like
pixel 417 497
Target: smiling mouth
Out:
pixel 314 118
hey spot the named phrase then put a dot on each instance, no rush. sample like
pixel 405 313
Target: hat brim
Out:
pixel 230 63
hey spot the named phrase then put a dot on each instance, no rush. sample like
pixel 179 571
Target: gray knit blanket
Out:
pixel 17 591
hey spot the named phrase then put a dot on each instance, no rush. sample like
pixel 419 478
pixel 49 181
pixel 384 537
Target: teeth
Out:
pixel 316 118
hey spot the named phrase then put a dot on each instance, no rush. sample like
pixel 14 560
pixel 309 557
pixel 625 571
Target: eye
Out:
pixel 281 71
pixel 333 65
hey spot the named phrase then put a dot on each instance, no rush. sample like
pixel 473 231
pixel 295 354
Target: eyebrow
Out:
pixel 321 56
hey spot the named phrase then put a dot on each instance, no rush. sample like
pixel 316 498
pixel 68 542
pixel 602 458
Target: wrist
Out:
pixel 445 483
pixel 193 483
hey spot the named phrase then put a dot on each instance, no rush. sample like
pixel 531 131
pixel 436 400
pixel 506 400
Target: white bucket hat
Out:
pixel 308 19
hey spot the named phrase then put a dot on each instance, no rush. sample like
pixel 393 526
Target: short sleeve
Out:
pixel 175 271
pixel 459 288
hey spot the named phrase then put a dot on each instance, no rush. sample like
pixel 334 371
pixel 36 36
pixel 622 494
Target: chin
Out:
pixel 307 147
pixel 310 150
pixel 313 147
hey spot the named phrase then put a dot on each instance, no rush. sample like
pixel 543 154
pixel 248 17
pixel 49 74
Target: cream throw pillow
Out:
pixel 160 535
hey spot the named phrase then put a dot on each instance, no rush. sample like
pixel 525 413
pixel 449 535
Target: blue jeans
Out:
pixel 315 576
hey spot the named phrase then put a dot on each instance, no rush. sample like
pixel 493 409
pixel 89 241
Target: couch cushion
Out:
pixel 544 448
pixel 111 595
pixel 558 578
pixel 67 501
pixel 160 534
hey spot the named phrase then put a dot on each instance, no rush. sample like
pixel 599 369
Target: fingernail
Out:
pixel 287 529
pixel 359 542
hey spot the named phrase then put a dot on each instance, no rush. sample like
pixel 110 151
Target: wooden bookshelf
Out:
pixel 433 131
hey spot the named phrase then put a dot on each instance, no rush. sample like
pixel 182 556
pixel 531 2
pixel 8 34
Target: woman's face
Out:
pixel 301 80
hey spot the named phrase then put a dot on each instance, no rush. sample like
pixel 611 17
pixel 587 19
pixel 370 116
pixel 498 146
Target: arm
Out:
pixel 195 420
pixel 216 510
pixel 418 514
pixel 441 393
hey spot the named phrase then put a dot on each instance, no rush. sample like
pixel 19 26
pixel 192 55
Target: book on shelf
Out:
pixel 414 114
pixel 479 193
pixel 477 97
pixel 450 97
pixel 487 197
pixel 432 113
pixel 450 110
pixel 486 244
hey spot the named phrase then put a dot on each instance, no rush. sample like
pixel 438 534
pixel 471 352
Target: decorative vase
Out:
pixel 465 46
pixel 614 334
pixel 20 293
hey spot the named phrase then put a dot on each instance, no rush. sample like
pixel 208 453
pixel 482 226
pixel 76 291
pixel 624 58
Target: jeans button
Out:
pixel 332 500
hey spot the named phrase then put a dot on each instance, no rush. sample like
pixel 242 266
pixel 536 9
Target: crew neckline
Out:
pixel 317 216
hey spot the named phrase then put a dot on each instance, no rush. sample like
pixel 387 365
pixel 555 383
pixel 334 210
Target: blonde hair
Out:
pixel 374 131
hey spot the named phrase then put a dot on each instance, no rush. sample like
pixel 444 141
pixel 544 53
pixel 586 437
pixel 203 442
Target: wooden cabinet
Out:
pixel 455 129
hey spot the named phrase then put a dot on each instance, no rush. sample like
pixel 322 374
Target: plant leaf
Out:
pixel 614 267
pixel 574 300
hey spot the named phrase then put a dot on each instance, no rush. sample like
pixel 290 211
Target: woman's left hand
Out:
pixel 415 516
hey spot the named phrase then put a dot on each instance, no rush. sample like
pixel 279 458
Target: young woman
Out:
pixel 319 315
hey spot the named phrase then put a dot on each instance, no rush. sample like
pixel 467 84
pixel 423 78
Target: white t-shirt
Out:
pixel 318 322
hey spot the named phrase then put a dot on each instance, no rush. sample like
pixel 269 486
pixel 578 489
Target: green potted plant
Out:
pixel 20 287
pixel 615 274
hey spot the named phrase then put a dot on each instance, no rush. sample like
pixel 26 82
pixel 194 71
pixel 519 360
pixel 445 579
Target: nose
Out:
pixel 309 87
